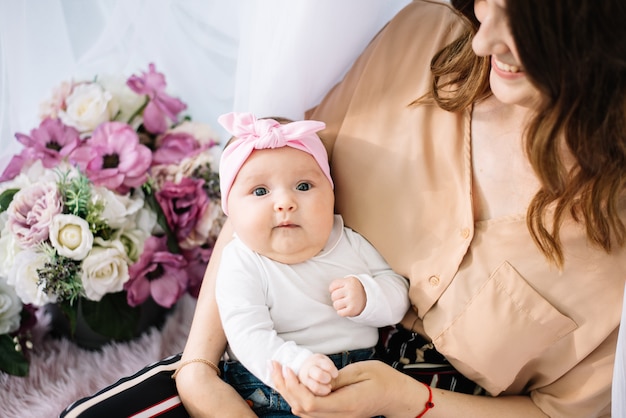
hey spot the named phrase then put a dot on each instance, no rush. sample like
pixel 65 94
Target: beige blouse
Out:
pixel 488 299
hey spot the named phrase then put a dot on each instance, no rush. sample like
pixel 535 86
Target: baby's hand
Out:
pixel 317 373
pixel 348 296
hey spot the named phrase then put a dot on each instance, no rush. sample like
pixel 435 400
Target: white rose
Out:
pixel 88 106
pixel 105 270
pixel 20 181
pixel 4 216
pixel 33 174
pixel 70 236
pixel 146 220
pixel 9 248
pixel 10 308
pixel 37 173
pixel 124 99
pixel 119 210
pixel 133 240
pixel 23 277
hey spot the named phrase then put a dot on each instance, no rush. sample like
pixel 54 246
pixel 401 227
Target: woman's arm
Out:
pixel 371 388
pixel 203 393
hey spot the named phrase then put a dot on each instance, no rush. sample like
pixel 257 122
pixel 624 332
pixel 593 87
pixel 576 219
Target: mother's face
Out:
pixel 508 79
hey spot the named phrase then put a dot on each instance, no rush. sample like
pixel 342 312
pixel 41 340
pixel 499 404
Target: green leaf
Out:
pixel 69 310
pixel 111 316
pixel 11 361
pixel 139 111
pixel 153 204
pixel 6 198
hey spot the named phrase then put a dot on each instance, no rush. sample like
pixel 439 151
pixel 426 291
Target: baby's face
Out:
pixel 281 205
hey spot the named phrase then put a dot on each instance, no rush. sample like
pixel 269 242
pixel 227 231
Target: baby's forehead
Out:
pixel 283 161
pixel 281 155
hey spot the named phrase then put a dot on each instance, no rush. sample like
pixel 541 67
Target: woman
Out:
pixel 499 196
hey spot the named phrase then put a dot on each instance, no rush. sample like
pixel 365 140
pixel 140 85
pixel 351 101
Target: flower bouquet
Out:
pixel 112 205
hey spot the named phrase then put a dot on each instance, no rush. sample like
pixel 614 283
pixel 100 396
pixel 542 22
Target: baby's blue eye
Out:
pixel 303 187
pixel 260 191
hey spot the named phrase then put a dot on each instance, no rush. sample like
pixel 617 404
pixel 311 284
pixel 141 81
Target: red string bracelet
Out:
pixel 429 404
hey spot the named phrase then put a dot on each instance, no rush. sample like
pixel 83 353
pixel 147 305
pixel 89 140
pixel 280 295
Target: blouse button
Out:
pixel 434 281
pixel 465 233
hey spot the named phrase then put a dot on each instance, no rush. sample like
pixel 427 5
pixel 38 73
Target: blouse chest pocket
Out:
pixel 503 327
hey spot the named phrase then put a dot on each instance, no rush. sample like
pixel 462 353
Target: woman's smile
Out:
pixel 502 66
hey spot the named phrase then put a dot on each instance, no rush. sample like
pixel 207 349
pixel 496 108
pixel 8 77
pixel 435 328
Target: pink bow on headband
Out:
pixel 253 133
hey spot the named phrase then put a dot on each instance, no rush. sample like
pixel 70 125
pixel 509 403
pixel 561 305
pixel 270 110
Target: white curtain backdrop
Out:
pixel 271 57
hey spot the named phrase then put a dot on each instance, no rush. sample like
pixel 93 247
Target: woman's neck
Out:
pixel 503 180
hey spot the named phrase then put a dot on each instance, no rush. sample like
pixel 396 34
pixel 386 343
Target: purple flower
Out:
pixel 50 142
pixel 183 204
pixel 161 105
pixel 114 158
pixel 31 211
pixel 197 260
pixel 157 273
pixel 174 146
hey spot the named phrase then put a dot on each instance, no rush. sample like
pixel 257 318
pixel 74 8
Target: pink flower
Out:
pixel 114 158
pixel 175 146
pixel 183 204
pixel 56 103
pixel 157 273
pixel 31 212
pixel 50 142
pixel 197 260
pixel 161 105
pixel 204 228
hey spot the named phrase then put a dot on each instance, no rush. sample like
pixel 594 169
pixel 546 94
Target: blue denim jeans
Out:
pixel 264 400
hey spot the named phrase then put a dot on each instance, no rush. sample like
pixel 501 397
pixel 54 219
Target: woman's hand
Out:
pixel 363 389
pixel 371 388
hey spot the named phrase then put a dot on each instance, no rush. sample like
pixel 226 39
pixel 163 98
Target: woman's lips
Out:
pixel 505 70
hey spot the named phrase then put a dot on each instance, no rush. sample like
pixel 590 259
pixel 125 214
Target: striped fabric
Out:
pixel 414 356
pixel 151 392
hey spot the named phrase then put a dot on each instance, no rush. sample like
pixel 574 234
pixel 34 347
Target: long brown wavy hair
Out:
pixel 574 52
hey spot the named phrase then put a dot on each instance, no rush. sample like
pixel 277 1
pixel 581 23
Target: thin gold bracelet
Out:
pixel 197 360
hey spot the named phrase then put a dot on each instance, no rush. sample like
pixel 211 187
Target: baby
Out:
pixel 294 285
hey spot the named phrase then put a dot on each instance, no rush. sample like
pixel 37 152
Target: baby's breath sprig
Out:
pixel 22 343
pixel 60 276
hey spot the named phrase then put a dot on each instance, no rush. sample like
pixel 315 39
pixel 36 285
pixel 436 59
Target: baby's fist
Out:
pixel 348 296
pixel 317 373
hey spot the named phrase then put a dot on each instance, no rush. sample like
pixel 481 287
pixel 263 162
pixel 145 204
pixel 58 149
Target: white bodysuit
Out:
pixel 275 311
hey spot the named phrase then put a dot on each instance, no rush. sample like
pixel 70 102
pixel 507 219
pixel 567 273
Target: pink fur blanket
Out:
pixel 61 372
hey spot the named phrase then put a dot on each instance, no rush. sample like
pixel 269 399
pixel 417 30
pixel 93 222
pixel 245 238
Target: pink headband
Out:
pixel 253 133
